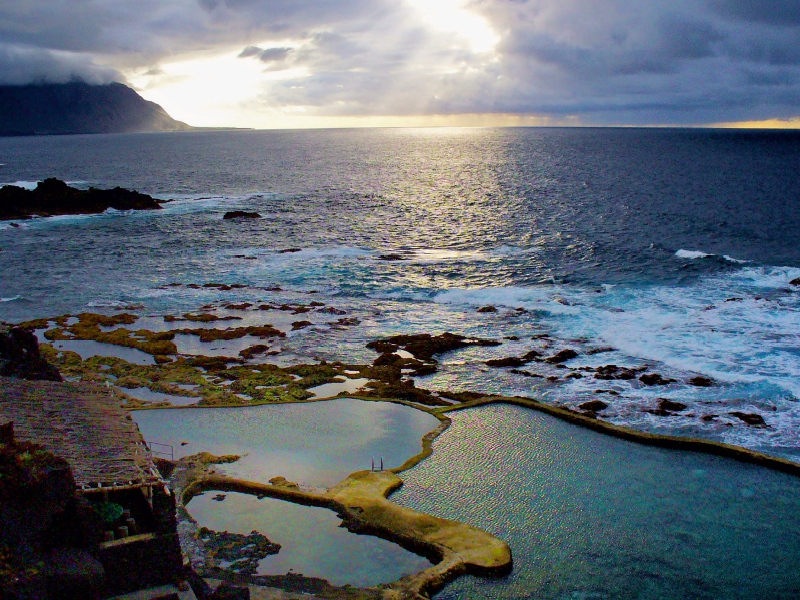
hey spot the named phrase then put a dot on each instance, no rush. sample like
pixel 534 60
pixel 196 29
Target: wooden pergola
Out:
pixel 85 425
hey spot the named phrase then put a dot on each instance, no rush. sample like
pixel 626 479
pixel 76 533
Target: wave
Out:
pixel 549 299
pixel 695 254
pixel 12 298
pixel 28 185
pixel 692 254
pixel 107 304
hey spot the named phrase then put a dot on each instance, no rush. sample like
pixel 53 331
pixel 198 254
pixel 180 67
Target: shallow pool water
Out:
pixel 313 443
pixel 312 543
pixel 148 395
pixel 349 386
pixel 591 516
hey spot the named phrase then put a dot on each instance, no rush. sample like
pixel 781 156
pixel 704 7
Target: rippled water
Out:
pixel 589 516
pixel 673 247
pixel 313 543
pixel 316 443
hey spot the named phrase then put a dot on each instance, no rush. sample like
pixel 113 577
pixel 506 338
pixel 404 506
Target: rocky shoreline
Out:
pixel 53 197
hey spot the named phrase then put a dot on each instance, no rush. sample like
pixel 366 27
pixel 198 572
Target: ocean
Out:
pixel 666 248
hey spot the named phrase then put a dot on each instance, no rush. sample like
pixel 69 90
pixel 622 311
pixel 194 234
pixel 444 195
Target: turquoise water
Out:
pixel 312 542
pixel 593 517
pixel 315 443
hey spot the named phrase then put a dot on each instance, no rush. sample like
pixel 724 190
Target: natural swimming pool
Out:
pixel 313 443
pixel 312 542
pixel 589 516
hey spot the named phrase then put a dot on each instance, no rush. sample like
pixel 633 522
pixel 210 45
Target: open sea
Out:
pixel 671 249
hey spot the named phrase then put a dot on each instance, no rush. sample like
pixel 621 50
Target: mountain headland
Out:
pixel 78 107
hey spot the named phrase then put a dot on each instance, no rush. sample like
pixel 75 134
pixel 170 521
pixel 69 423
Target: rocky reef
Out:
pixel 55 197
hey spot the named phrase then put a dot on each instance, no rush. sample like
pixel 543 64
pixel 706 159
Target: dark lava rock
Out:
pixel 219 497
pixel 487 309
pixel 671 406
pixel 391 257
pixel 290 250
pixel 511 361
pixel 593 406
pixel 701 381
pixel 19 356
pixel 655 379
pixel 795 281
pixel 301 325
pixel 608 372
pixel 750 418
pixel 252 351
pixel 55 197
pixel 424 346
pixel 241 214
pixel 228 591
pixel 708 418
pixel 526 373
pixel 562 356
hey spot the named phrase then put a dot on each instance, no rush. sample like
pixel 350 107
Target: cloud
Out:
pixel 265 55
pixel 601 62
pixel 21 65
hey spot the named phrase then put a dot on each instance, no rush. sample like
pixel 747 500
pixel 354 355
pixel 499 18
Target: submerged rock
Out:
pixel 392 256
pixel 665 404
pixel 241 214
pixel 487 309
pixel 750 418
pixel 609 372
pixel 593 406
pixel 795 281
pixel 655 379
pixel 511 361
pixel 701 381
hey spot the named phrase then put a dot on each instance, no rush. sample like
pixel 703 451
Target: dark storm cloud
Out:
pixel 774 12
pixel 606 61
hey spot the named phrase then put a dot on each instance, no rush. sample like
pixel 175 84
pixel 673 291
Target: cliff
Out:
pixel 77 107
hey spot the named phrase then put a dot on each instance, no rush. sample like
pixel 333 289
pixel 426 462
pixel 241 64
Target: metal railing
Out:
pixel 156 448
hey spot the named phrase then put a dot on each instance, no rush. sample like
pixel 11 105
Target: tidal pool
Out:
pixel 589 516
pixel 312 542
pixel 313 443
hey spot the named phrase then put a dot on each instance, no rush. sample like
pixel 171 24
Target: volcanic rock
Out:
pixel 795 281
pixel 671 406
pixel 593 406
pixel 241 214
pixel 424 346
pixel 655 379
pixel 701 381
pixel 487 309
pixel 19 356
pixel 750 418
pixel 562 356
pixel 55 197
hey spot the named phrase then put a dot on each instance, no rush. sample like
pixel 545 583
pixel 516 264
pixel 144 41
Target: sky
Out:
pixel 328 63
